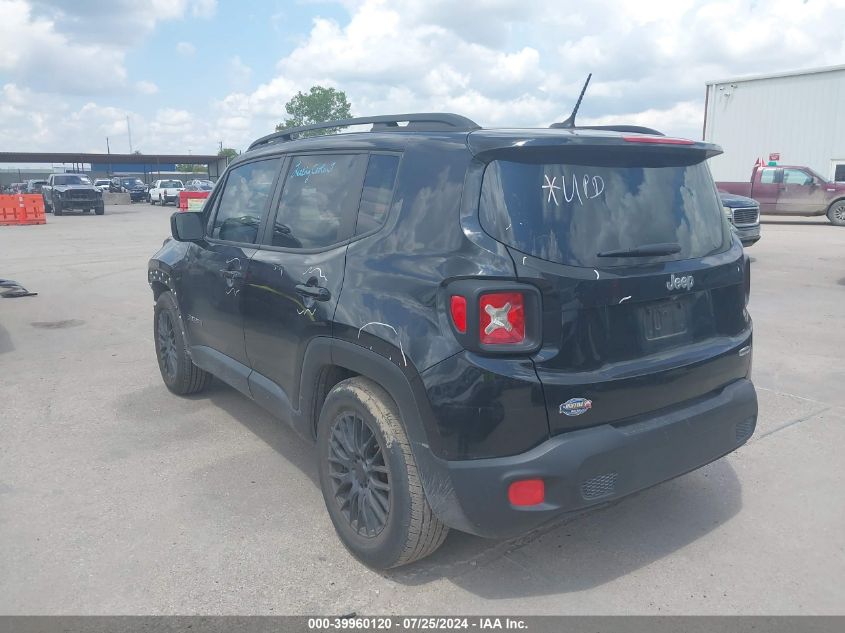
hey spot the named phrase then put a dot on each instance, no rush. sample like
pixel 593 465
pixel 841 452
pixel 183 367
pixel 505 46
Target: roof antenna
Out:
pixel 570 122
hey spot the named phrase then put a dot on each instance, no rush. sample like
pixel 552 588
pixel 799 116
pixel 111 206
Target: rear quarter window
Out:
pixel 378 192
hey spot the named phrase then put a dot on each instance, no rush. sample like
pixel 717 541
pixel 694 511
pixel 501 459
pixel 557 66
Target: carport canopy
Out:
pixel 216 164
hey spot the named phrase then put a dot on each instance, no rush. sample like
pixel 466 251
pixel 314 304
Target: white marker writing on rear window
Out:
pixel 586 187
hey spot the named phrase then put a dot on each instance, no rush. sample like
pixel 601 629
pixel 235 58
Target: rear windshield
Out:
pixel 170 183
pixel 570 213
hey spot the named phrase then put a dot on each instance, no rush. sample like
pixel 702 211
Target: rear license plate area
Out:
pixel 665 319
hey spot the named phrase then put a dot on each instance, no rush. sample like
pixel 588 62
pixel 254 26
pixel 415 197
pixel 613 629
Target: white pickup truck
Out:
pixel 164 191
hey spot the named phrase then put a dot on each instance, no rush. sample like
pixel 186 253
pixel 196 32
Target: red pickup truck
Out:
pixel 792 190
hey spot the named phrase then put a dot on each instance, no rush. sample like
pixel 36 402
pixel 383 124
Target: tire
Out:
pixel 362 446
pixel 178 371
pixel 836 213
pixel 57 207
pixel 100 210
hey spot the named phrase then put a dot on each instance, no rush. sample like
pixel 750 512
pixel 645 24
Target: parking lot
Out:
pixel 117 497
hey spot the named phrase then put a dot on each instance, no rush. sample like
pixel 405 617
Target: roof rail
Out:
pixel 635 129
pixel 419 122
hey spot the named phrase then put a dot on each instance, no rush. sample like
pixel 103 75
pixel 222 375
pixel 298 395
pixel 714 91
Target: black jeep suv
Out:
pixel 481 329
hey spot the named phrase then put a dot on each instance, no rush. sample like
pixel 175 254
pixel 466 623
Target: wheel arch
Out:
pixel 829 210
pixel 329 361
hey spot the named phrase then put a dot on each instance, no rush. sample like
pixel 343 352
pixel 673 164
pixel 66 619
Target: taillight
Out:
pixel 458 308
pixel 501 318
pixel 494 316
pixel 527 492
pixel 658 140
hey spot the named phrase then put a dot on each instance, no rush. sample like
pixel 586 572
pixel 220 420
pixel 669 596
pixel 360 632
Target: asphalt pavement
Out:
pixel 117 497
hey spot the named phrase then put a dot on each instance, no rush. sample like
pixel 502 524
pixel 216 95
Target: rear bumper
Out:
pixel 592 466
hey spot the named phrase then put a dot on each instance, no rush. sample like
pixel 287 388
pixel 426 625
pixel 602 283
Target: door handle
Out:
pixel 317 293
pixel 231 274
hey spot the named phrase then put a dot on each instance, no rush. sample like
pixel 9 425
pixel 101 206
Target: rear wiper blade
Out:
pixel 646 250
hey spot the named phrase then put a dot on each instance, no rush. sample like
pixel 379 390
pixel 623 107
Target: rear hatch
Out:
pixel 643 289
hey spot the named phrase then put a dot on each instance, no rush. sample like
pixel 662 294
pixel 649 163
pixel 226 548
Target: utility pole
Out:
pixel 129 129
pixel 221 147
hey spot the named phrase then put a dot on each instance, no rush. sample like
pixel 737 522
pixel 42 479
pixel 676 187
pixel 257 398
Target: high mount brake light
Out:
pixel 501 318
pixel 658 140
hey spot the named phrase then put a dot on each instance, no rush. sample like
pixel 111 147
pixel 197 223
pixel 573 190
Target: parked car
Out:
pixel 480 329
pixel 792 190
pixel 103 184
pixel 64 192
pixel 17 187
pixel 34 186
pixel 132 185
pixel 744 215
pixel 200 184
pixel 164 191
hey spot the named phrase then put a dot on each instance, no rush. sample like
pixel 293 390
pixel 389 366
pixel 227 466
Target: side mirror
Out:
pixel 187 226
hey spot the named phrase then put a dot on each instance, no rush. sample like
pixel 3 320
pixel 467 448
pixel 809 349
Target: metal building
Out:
pixel 794 118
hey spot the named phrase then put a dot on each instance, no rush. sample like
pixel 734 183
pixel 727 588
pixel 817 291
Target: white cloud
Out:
pixel 186 49
pixel 34 51
pixel 203 8
pixel 146 87
pixel 61 47
pixel 238 72
pixel 501 62
pixel 683 119
pixel 513 63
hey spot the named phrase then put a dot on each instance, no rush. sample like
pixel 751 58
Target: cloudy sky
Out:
pixel 190 73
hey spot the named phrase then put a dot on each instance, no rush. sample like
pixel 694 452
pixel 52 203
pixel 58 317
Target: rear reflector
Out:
pixel 527 492
pixel 458 308
pixel 658 140
pixel 501 318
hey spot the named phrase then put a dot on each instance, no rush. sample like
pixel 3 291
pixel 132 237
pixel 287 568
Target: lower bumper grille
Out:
pixel 599 486
pixel 745 429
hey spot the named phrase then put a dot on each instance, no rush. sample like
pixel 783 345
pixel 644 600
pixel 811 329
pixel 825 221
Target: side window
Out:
pixel 319 202
pixel 767 176
pixel 244 200
pixel 378 192
pixel 796 177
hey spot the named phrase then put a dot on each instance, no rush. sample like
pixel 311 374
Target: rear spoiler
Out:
pixel 488 144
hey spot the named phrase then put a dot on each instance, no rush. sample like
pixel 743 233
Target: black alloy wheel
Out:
pixel 360 478
pixel 167 344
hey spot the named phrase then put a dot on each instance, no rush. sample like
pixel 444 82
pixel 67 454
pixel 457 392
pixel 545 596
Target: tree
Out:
pixel 190 168
pixel 227 152
pixel 317 106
